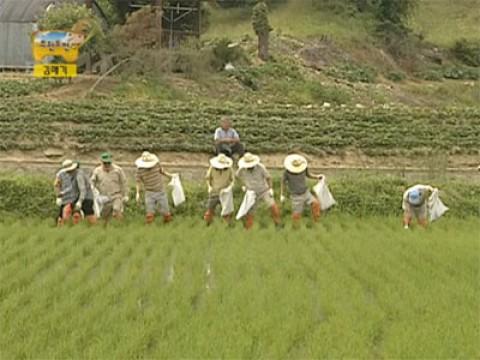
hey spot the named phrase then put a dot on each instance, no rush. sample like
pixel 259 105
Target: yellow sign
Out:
pixel 57 43
pixel 55 70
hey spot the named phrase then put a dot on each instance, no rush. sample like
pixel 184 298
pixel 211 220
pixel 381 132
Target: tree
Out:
pixel 262 29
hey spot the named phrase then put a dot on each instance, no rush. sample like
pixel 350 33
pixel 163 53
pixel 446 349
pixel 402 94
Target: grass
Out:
pixel 445 21
pixel 348 287
pixel 298 18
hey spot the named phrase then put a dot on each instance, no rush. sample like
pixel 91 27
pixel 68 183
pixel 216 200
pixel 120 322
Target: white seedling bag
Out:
pixel 247 203
pixel 324 195
pixel 178 195
pixel 436 208
pixel 226 200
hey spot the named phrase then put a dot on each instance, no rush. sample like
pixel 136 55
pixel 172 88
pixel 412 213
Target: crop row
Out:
pixel 15 88
pixel 97 125
pixel 357 195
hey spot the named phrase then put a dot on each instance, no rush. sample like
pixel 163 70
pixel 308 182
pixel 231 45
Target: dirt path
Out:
pixel 193 165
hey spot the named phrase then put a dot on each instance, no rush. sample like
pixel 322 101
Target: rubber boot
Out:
pixel 92 219
pixel 275 211
pixel 208 216
pixel 228 219
pixel 167 218
pixel 77 217
pixel 249 221
pixel 407 219
pixel 316 211
pixel 296 218
pixel 150 218
pixel 423 223
pixel 67 213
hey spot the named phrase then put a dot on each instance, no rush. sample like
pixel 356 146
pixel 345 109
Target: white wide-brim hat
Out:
pixel 146 161
pixel 221 162
pixel 69 165
pixel 295 163
pixel 248 161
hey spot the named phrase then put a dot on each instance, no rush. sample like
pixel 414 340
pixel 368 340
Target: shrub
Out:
pixel 224 52
pixel 331 94
pixel 396 76
pixel 353 73
pixel 467 51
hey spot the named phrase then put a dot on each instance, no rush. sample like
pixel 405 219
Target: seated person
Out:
pixel 227 140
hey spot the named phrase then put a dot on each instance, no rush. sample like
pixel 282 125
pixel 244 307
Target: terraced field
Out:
pixel 97 125
pixel 348 287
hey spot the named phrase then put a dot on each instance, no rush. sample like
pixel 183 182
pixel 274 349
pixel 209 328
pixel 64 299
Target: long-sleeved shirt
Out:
pixel 219 179
pixel 84 186
pixel 425 191
pixel 111 183
pixel 255 179
pixel 67 191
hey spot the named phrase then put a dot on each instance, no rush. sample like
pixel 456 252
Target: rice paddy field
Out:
pixel 348 287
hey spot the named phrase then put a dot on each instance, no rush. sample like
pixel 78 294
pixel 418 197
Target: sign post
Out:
pixel 56 53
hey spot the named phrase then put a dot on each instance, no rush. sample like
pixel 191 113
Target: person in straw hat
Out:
pixel 256 178
pixel 149 178
pixel 220 179
pixel 295 180
pixel 66 191
pixel 85 201
pixel 110 182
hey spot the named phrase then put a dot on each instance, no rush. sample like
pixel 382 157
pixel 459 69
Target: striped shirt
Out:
pixel 151 178
pixel 64 182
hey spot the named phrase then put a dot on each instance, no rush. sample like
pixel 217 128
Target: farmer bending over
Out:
pixel 227 140
pixel 415 204
pixel 110 182
pixel 257 179
pixel 295 180
pixel 149 178
pixel 220 179
pixel 66 191
pixel 85 201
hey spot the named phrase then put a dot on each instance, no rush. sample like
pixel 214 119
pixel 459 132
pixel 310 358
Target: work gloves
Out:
pixel 78 205
pixel 58 201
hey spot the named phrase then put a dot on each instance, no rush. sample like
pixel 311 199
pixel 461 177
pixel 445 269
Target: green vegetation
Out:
pixel 346 288
pixel 19 88
pixel 357 194
pixel 135 126
pixel 443 22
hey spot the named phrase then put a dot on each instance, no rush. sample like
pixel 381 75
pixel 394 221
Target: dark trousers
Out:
pixel 230 149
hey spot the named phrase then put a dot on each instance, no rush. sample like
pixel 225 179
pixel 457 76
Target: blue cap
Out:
pixel 415 197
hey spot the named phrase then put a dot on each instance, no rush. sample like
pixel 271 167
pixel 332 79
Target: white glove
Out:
pixel 137 197
pixel 78 205
pixel 244 188
pixel 270 192
pixel 58 201
pixel 406 227
pixel 209 189
pixel 125 199
pixel 282 198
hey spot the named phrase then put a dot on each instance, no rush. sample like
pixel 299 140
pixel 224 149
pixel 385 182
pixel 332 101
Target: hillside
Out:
pixel 330 83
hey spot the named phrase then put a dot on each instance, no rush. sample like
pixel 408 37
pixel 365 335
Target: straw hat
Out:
pixel 221 162
pixel 69 165
pixel 295 163
pixel 147 160
pixel 248 161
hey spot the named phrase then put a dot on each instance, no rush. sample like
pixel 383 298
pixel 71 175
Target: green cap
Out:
pixel 106 157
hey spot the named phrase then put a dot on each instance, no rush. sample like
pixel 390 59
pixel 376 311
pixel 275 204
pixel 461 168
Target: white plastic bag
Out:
pixel 226 200
pixel 178 194
pixel 436 208
pixel 324 195
pixel 99 202
pixel 247 203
